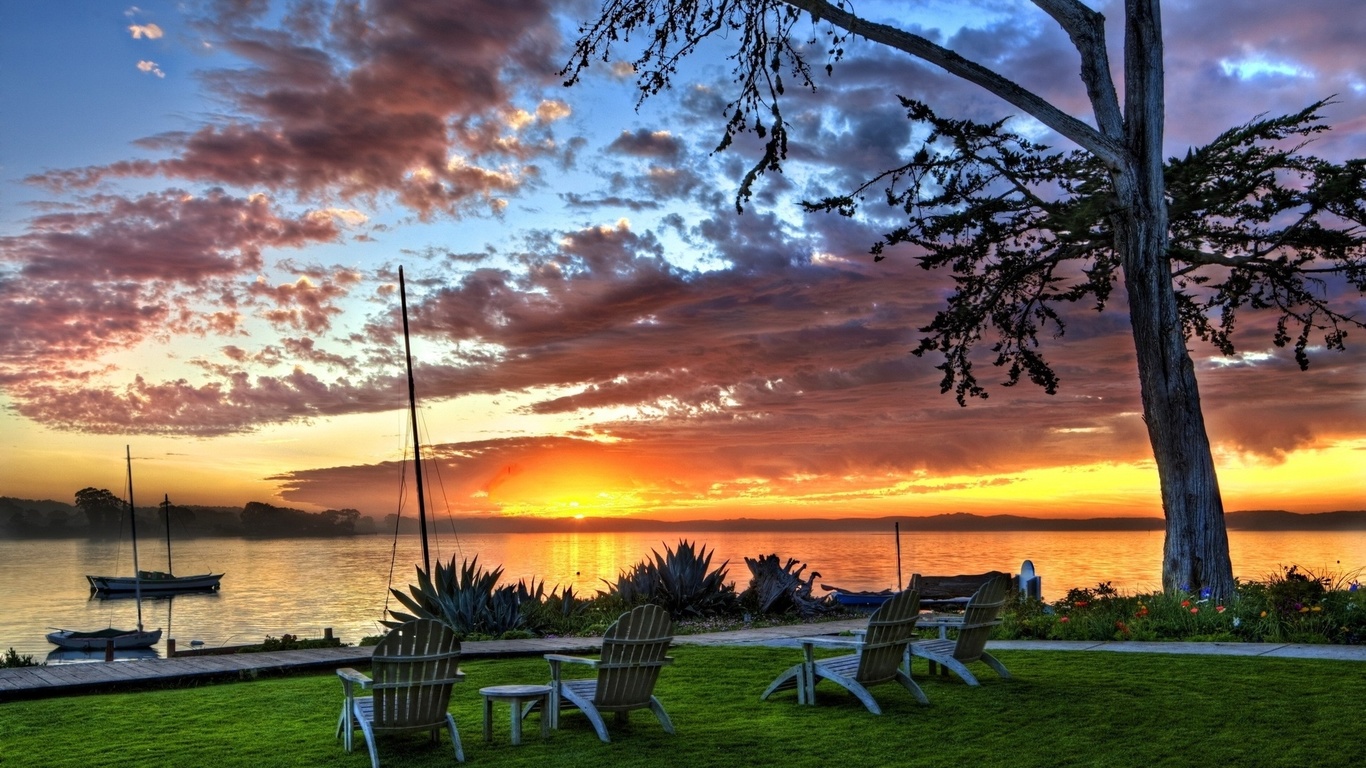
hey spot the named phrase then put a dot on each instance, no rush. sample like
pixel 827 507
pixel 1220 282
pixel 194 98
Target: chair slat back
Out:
pixel 413 668
pixel 982 613
pixel 890 628
pixel 633 651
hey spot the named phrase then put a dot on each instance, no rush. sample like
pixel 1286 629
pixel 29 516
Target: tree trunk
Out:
pixel 1195 554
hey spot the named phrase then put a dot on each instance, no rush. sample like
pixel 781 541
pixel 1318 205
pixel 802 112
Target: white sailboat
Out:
pixel 122 639
pixel 156 582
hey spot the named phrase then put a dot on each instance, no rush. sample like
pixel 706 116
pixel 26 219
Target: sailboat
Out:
pixel 122 639
pixel 156 582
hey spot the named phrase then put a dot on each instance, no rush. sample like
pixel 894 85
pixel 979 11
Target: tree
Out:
pixel 1239 223
pixel 101 508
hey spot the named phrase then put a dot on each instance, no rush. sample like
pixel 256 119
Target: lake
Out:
pixel 300 586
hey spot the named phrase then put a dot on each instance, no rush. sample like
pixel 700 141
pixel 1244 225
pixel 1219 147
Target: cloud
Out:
pixel 659 145
pixel 413 100
pixel 108 272
pixel 151 68
pixel 147 31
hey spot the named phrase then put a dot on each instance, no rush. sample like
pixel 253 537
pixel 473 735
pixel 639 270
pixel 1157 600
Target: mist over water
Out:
pixel 300 586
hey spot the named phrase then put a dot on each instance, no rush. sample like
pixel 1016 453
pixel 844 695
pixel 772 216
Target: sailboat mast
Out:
pixel 412 409
pixel 166 512
pixel 133 527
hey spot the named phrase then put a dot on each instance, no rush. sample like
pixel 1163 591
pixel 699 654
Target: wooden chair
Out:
pixel 414 667
pixel 876 660
pixel 632 655
pixel 982 613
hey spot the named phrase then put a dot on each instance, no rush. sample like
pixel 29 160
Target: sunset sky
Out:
pixel 204 205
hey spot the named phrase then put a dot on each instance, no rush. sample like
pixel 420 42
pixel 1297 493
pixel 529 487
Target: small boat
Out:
pixel 856 599
pixel 122 639
pixel 156 582
pixel 98 640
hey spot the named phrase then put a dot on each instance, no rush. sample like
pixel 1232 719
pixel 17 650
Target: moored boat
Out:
pixel 857 599
pixel 98 640
pixel 155 582
pixel 158 582
pixel 120 639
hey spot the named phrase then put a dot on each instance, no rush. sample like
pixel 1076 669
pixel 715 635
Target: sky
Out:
pixel 204 207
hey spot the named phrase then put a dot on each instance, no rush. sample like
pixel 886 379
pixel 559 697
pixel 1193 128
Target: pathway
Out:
pixel 70 679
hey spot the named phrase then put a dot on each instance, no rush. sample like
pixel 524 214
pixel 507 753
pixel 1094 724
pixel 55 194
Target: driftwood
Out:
pixel 779 589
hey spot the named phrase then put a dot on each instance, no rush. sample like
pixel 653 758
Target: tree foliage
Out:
pixel 101 509
pixel 1023 228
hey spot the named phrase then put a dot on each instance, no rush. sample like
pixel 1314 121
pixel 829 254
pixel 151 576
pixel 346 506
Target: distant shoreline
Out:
pixel 1257 520
pixel 224 522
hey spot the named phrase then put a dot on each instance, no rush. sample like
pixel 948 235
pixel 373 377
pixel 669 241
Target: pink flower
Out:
pixel 1195 610
pixel 1219 608
pixel 1185 603
pixel 1063 620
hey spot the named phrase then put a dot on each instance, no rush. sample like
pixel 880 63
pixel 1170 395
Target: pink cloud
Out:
pixel 412 99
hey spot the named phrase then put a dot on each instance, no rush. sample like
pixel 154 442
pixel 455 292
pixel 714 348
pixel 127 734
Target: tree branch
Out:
pixel 1110 151
pixel 1086 28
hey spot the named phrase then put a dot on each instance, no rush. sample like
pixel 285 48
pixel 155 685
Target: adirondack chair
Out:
pixel 982 613
pixel 414 667
pixel 632 654
pixel 876 660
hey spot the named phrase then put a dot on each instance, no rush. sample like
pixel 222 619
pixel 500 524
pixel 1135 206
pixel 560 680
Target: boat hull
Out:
pixel 861 599
pixel 98 641
pixel 155 582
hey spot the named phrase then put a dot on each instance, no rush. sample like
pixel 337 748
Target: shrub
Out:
pixel 289 642
pixel 12 659
pixel 1292 606
pixel 681 580
pixel 466 599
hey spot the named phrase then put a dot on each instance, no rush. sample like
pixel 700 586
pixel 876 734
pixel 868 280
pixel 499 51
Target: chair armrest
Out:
pixel 554 658
pixel 350 676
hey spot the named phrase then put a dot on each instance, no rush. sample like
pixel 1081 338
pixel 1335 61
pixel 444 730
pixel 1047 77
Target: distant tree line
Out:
pixel 99 514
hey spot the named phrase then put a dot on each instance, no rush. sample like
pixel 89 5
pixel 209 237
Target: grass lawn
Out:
pixel 1062 709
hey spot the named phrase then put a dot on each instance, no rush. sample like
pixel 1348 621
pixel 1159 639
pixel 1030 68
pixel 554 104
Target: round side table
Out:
pixel 517 695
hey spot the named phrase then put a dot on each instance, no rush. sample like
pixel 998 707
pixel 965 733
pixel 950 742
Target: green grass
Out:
pixel 1062 709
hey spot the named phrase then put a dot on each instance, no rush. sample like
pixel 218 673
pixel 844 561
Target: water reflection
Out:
pixel 68 656
pixel 300 587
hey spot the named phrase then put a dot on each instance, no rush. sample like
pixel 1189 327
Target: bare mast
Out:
pixel 166 513
pixel 412 408
pixel 133 527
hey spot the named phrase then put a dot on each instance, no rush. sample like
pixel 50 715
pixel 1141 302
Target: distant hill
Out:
pixel 23 518
pixel 1251 521
pixel 1278 520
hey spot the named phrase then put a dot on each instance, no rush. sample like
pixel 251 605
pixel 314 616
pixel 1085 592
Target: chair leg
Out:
pixel 911 686
pixel 370 742
pixel 663 716
pixel 996 664
pixel 595 718
pixel 958 669
pixel 790 678
pixel 455 739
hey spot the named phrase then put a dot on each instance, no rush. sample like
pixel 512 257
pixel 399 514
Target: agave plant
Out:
pixel 681 580
pixel 467 599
